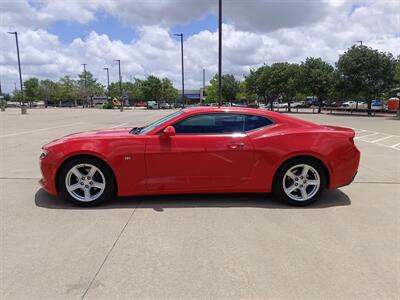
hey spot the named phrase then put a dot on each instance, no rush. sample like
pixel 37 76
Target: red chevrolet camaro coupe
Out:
pixel 202 150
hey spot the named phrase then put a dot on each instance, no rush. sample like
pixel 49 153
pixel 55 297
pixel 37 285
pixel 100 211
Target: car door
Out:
pixel 209 151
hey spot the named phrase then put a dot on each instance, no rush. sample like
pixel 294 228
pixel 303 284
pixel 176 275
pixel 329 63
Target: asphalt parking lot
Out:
pixel 345 246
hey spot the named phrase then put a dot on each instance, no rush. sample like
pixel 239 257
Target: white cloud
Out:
pixel 263 39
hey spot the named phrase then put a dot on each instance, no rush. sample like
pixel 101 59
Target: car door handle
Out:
pixel 236 146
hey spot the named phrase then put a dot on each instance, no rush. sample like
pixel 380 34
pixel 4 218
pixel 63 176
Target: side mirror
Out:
pixel 169 131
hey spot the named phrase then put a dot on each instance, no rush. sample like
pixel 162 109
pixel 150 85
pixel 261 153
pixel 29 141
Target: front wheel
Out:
pixel 300 181
pixel 86 182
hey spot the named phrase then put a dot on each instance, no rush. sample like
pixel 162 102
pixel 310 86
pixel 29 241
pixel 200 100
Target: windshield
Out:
pixel 159 122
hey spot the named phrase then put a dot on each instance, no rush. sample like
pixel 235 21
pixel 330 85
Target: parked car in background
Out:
pixel 295 104
pixel 376 105
pixel 238 105
pixel 253 105
pixel 353 105
pixel 336 103
pixel 152 105
pixel 140 104
pixel 165 105
pixel 178 105
pixel 280 105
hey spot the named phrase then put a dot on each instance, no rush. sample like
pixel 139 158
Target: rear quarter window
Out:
pixel 254 122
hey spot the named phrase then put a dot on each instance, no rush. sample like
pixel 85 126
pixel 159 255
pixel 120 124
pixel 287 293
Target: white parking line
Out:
pixel 376 142
pixel 37 130
pixel 395 146
pixel 382 139
pixel 363 136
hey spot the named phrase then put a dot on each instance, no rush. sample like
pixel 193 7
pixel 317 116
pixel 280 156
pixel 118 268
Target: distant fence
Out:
pixel 373 112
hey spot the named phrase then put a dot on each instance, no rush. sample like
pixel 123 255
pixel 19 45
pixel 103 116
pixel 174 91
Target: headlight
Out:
pixel 44 153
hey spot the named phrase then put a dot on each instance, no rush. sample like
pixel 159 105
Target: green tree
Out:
pixel 134 90
pixel 317 78
pixel 259 82
pixel 212 91
pixel 367 73
pixel 244 94
pixel 16 96
pixel 67 90
pixel 113 90
pixel 397 72
pixel 152 89
pixel 169 93
pixel 48 91
pixel 31 89
pixel 88 87
pixel 230 88
pixel 285 81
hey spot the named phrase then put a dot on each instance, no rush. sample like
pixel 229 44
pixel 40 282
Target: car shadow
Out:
pixel 158 203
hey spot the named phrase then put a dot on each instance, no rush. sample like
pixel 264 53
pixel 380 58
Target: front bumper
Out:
pixel 48 176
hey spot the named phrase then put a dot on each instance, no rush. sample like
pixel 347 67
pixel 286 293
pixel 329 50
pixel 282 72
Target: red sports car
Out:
pixel 202 150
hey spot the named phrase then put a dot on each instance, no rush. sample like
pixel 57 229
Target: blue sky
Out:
pixel 106 24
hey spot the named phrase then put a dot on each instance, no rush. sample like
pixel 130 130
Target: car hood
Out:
pixel 94 134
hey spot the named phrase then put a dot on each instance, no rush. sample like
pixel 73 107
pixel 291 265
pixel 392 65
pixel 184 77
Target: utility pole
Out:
pixel 108 79
pixel 3 108
pixel 220 53
pixel 23 107
pixel 204 84
pixel 121 107
pixel 183 69
pixel 84 78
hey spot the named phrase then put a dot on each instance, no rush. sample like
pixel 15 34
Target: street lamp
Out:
pixel 121 107
pixel 361 43
pixel 2 99
pixel 23 107
pixel 204 84
pixel 108 79
pixel 84 78
pixel 183 70
pixel 220 53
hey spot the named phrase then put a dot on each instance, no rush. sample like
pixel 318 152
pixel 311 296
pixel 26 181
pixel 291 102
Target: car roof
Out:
pixel 243 110
pixel 274 116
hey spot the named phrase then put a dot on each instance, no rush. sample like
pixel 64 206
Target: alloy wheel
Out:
pixel 301 182
pixel 85 182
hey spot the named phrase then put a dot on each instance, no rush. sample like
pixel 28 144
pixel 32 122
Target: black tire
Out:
pixel 109 191
pixel 278 188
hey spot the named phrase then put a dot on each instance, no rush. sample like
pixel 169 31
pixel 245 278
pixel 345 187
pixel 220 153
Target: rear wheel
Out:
pixel 300 181
pixel 86 182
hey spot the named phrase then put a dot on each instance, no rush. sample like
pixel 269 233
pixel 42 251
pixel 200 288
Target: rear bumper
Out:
pixel 348 183
pixel 345 169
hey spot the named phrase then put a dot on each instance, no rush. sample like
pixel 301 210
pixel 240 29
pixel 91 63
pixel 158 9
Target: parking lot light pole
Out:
pixel 3 108
pixel 23 106
pixel 108 79
pixel 220 53
pixel 121 107
pixel 84 78
pixel 183 69
pixel 204 85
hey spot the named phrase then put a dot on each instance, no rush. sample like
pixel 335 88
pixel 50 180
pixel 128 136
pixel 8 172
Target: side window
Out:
pixel 195 125
pixel 254 122
pixel 217 123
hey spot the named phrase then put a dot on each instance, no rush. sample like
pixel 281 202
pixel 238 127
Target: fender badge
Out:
pixel 128 157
